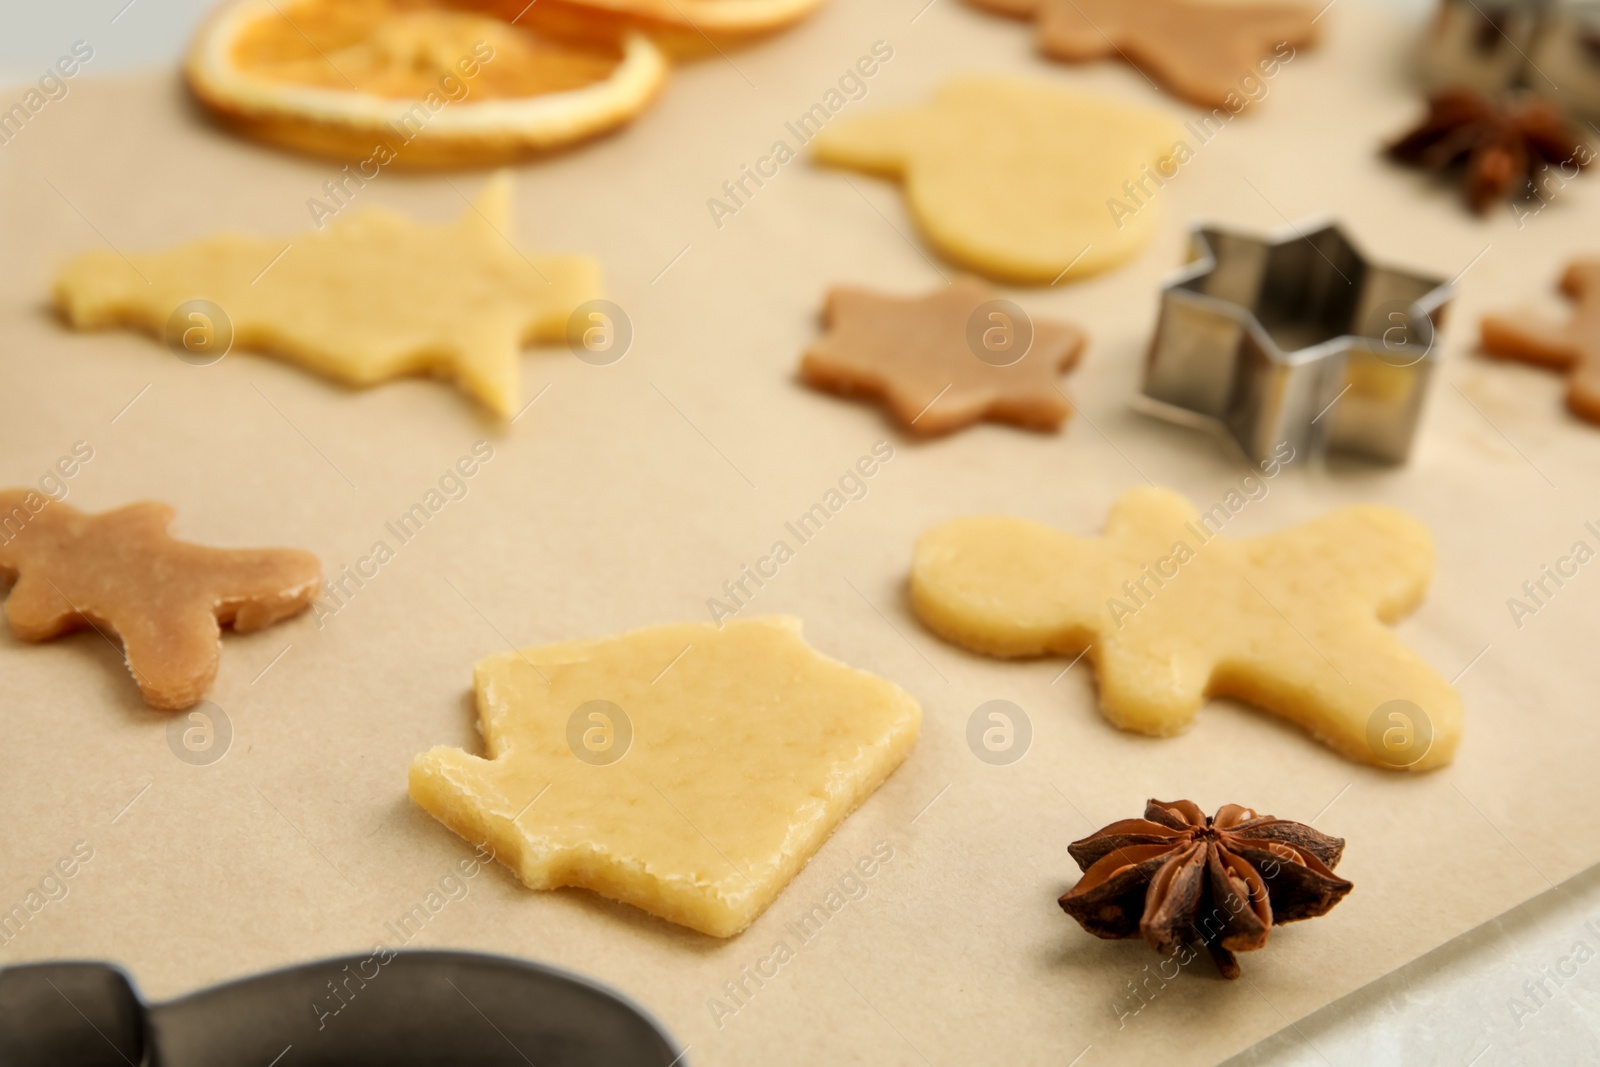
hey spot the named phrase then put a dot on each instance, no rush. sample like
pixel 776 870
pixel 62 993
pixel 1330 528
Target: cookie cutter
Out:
pixel 1295 338
pixel 410 1010
pixel 1548 47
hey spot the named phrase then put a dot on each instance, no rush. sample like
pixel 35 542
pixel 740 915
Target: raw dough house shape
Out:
pixel 1014 178
pixel 1199 49
pixel 369 297
pixel 166 599
pixel 688 770
pixel 1574 347
pixel 929 361
pixel 1171 613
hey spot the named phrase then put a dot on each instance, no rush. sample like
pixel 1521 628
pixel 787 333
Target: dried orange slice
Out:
pixel 413 82
pixel 682 27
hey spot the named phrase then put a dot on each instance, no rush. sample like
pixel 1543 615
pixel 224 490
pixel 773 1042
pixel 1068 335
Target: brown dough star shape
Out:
pixel 166 599
pixel 1169 613
pixel 920 356
pixel 1573 347
pixel 1200 49
pixel 370 296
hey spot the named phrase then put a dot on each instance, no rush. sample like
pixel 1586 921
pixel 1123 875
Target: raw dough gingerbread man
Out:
pixel 1171 613
pixel 165 598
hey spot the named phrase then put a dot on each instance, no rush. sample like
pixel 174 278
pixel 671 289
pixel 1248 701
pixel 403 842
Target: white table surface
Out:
pixel 1456 1006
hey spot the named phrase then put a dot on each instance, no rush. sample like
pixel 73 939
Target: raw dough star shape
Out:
pixel 119 571
pixel 1292 622
pixel 747 749
pixel 920 356
pixel 1013 178
pixel 1573 347
pixel 371 296
pixel 1200 49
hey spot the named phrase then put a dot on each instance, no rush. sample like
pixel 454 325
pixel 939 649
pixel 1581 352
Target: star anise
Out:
pixel 1499 148
pixel 1177 877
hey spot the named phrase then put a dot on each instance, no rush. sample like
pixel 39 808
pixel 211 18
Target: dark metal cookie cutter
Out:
pixel 1549 47
pixel 415 1008
pixel 1295 338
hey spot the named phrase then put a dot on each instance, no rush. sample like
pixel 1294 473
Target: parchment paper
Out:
pixel 628 494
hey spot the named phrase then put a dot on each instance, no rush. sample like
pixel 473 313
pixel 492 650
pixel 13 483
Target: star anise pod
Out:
pixel 1177 877
pixel 1498 148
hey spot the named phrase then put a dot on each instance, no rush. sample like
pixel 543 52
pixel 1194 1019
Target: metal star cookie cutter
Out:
pixel 1295 338
pixel 1549 47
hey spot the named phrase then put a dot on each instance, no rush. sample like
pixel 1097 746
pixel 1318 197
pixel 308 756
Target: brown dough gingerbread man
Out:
pixel 1573 347
pixel 166 599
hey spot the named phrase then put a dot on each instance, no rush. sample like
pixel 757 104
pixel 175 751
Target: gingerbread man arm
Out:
pixel 1547 344
pixel 878 143
pixel 1558 345
pixel 1007 587
pixel 1380 556
pixel 37 611
pixel 1574 345
pixel 259 586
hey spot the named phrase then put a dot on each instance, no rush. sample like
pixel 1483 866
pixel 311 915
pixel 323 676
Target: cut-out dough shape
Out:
pixel 921 356
pixel 1171 613
pixel 1199 49
pixel 121 573
pixel 371 296
pixel 1574 347
pixel 687 770
pixel 1014 179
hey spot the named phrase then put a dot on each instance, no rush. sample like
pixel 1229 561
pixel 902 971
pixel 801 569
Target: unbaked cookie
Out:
pixel 371 296
pixel 1211 52
pixel 1015 179
pixel 947 359
pixel 121 573
pixel 1170 612
pixel 688 770
pixel 1572 347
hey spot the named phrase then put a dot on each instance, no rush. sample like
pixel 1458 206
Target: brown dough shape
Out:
pixel 914 354
pixel 1573 346
pixel 1199 50
pixel 166 599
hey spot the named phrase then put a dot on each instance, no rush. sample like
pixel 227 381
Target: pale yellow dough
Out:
pixel 1012 178
pixel 371 296
pixel 1292 622
pixel 748 749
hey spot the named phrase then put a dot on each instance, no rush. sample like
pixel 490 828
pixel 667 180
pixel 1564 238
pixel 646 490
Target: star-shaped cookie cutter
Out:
pixel 1295 338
